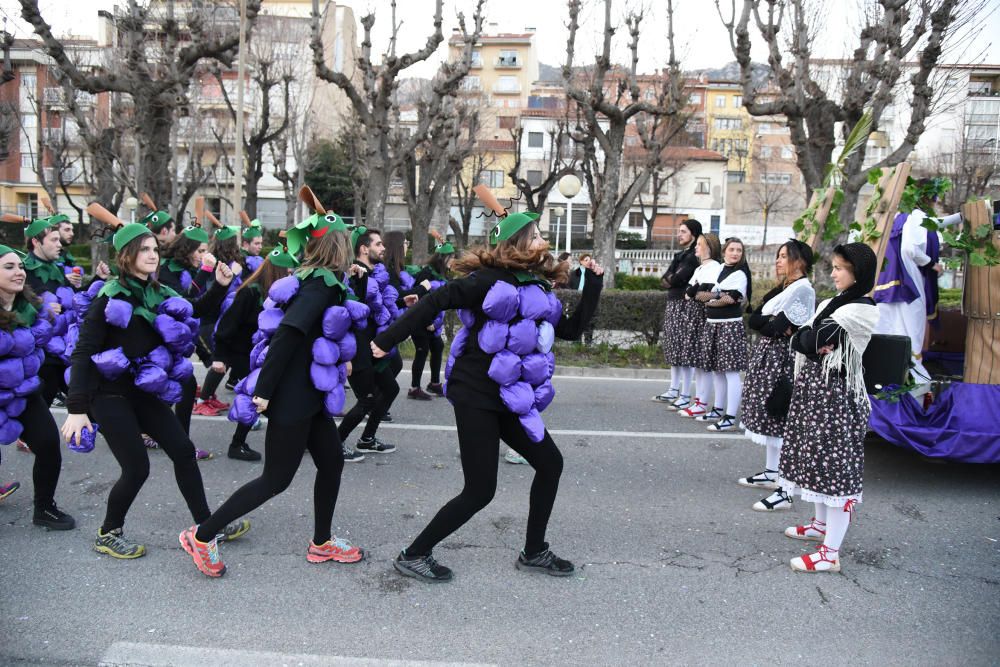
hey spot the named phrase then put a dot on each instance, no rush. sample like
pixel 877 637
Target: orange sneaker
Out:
pixel 204 554
pixel 336 549
pixel 205 410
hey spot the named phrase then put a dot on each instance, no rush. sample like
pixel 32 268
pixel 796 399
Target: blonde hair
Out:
pixel 330 251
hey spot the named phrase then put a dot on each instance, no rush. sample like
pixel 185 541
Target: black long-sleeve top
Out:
pixel 809 339
pixel 679 272
pixel 39 285
pixel 238 325
pixel 284 378
pixel 417 288
pixel 136 340
pixel 359 285
pixel 469 383
pixel 771 326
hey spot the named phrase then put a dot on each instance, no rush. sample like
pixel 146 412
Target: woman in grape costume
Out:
pixel 498 377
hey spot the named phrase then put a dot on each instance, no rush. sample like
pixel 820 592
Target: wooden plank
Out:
pixel 821 215
pixel 981 304
pixel 892 185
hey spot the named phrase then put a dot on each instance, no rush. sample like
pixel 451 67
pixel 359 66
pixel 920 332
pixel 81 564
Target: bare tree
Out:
pixel 973 166
pixel 604 116
pixel 373 103
pixel 8 112
pixel 892 30
pixel 770 197
pixel 158 58
pixel 557 162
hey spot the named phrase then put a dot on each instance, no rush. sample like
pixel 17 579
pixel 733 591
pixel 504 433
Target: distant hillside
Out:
pixel 728 72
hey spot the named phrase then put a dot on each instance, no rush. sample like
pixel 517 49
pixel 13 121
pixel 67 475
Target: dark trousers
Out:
pixel 184 407
pixel 122 420
pixel 237 372
pixel 284 444
pixel 375 391
pixel 479 435
pixel 427 343
pixel 53 380
pixel 42 436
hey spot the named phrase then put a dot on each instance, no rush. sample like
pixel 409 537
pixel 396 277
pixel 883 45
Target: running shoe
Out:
pixel 149 442
pixel 235 530
pixel 22 446
pixel 375 446
pixel 53 518
pixel 435 388
pixel 114 543
pixel 8 489
pixel 513 457
pixel 242 452
pixel 202 455
pixel 418 394
pixel 216 403
pixel 387 418
pixel 336 549
pixel 545 562
pixel 352 455
pixel 205 410
pixel 204 554
pixel 424 568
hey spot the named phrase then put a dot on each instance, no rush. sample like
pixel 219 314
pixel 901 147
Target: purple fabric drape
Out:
pixel 930 275
pixel 894 284
pixel 961 424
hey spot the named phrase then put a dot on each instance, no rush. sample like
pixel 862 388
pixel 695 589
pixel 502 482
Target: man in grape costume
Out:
pixel 498 378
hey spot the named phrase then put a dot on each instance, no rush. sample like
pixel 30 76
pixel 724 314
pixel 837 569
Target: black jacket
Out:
pixel 469 383
pixel 238 325
pixel 681 268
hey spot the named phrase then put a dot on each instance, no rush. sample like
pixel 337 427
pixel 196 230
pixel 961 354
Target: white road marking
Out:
pixel 137 654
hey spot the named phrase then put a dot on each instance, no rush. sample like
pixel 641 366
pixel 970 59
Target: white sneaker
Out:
pixel 513 457
pixel 777 501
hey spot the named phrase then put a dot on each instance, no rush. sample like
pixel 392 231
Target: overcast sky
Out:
pixel 700 38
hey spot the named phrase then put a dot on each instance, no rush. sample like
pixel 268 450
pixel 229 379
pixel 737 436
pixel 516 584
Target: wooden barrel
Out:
pixel 981 305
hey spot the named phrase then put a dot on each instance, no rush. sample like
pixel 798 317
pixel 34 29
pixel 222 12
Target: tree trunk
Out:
pixel 153 132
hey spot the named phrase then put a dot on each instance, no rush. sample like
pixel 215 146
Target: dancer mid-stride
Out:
pixel 498 379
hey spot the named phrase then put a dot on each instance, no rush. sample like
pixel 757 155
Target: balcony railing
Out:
pixel 55 97
pixel 506 89
pixel 508 61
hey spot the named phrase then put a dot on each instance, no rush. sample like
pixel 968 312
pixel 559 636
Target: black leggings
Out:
pixel 42 436
pixel 425 342
pixel 284 445
pixel 184 406
pixel 53 380
pixel 122 420
pixel 375 392
pixel 213 379
pixel 479 435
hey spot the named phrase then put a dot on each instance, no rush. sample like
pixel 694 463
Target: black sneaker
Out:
pixel 242 452
pixel 387 418
pixel 59 401
pixel 230 386
pixel 235 530
pixel 375 446
pixel 114 543
pixel 351 455
pixel 545 562
pixel 53 518
pixel 424 568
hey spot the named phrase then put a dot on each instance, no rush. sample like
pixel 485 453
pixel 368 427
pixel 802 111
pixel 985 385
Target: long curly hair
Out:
pixel 226 251
pixel 181 249
pixel 8 318
pixel 514 254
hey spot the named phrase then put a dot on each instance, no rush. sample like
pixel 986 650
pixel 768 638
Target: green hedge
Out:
pixel 640 311
pixel 624 281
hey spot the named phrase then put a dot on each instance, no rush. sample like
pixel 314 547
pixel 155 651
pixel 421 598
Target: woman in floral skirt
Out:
pixel 675 281
pixel 823 455
pixel 784 309
pixel 691 353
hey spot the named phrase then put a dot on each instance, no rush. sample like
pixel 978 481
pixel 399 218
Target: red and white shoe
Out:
pixel 810 531
pixel 824 560
pixel 696 409
pixel 204 554
pixel 205 410
pixel 336 549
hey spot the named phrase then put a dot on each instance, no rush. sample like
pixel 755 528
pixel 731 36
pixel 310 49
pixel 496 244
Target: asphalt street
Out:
pixel 672 564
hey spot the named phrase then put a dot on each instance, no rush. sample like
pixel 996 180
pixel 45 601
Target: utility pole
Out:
pixel 241 73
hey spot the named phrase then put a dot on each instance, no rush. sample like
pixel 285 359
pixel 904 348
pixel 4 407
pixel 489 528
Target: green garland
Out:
pixel 149 296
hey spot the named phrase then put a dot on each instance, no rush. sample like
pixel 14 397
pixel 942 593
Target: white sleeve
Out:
pixel 801 305
pixel 914 241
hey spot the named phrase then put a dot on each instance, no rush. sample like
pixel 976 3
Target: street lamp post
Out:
pixel 569 187
pixel 558 211
pixel 131 203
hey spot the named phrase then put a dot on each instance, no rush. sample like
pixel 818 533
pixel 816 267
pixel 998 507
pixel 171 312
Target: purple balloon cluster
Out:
pixel 81 303
pixel 62 323
pixel 227 301
pixel 439 320
pixel 519 332
pixel 331 351
pixel 381 298
pixel 162 371
pixel 21 355
pixel 87 440
pixel 253 262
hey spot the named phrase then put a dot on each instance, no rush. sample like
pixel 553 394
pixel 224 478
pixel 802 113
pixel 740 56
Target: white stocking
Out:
pixel 702 380
pixel 820 513
pixel 683 375
pixel 734 388
pixel 675 378
pixel 837 521
pixel 719 381
pixel 773 457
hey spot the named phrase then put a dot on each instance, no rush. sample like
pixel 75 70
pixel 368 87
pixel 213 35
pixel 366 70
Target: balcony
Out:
pixel 69 175
pixel 55 98
pixel 506 88
pixel 507 62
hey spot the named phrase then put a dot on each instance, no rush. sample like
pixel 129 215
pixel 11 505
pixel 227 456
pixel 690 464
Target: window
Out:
pixel 764 128
pixel 508 58
pixel 720 101
pixel 737 101
pixel 29 80
pixel 28 160
pixel 477 58
pixel 29 121
pixel 650 94
pixel 534 177
pixel 471 83
pixel 492 178
pixel 536 139
pixel 715 223
pixel 722 123
pixel 507 84
pixel 506 122
pixel 736 176
pixel 702 186
pixel 787 153
pixel 776 178
pixel 765 152
pixel 695 98
pixel 636 221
